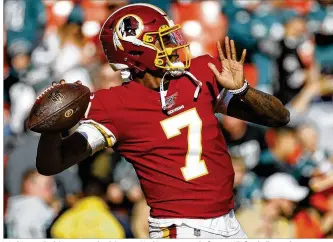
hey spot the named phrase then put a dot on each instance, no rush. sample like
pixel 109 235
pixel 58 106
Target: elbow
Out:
pixel 45 171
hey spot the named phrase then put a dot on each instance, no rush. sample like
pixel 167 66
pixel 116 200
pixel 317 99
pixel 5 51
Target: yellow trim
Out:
pixel 108 139
pixel 166 233
pixel 166 51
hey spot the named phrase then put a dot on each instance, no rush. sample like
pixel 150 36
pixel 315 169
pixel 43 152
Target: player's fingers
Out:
pixel 62 81
pixel 219 49
pixel 243 56
pixel 233 50
pixel 54 83
pixel 227 47
pixel 214 69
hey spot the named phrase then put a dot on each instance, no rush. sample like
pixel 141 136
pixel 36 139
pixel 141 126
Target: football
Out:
pixel 59 108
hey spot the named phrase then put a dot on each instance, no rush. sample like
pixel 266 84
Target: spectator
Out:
pixel 305 109
pixel 308 137
pixel 29 213
pixel 247 186
pixel 90 217
pixel 64 51
pixel 24 24
pixel 282 202
pixel 319 22
pixel 291 69
pixel 23 157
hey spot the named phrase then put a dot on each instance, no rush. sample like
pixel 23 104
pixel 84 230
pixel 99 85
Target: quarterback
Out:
pixel 161 119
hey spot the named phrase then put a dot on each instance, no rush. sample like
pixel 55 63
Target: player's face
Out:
pixel 168 43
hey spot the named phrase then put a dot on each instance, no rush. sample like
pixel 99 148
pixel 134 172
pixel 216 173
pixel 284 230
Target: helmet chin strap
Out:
pixel 176 73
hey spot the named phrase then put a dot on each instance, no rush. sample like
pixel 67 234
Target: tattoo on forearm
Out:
pixel 267 106
pixel 260 108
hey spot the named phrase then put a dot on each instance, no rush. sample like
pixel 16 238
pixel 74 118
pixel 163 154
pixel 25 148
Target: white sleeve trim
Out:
pixel 93 132
pixel 226 99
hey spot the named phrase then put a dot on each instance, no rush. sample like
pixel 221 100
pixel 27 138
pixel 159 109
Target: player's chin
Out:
pixel 159 72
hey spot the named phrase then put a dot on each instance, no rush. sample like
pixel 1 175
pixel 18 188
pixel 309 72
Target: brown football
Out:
pixel 59 108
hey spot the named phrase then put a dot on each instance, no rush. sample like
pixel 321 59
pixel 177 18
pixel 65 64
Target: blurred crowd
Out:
pixel 283 177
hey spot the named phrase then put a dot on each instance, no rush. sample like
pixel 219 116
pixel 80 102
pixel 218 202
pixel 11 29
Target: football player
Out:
pixel 162 120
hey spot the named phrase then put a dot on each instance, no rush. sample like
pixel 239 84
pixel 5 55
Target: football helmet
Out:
pixel 138 37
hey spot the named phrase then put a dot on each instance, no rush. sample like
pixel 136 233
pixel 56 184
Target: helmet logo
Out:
pixel 128 28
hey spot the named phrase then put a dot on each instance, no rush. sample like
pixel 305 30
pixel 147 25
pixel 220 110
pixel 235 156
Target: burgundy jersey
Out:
pixel 180 154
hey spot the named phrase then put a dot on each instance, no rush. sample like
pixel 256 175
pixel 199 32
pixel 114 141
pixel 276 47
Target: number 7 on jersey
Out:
pixel 194 166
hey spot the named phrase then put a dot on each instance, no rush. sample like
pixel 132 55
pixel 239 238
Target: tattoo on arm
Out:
pixel 258 107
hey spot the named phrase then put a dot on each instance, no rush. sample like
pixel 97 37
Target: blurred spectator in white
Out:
pixel 31 212
pixel 66 52
pixel 282 193
pixel 284 198
pixel 24 22
pixel 90 217
pixel 244 140
pixel 247 186
pixel 307 107
pixel 308 136
pixel 23 157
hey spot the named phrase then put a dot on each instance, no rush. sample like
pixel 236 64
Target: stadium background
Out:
pixel 290 49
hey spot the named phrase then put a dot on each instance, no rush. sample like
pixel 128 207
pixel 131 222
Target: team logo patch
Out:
pixel 171 100
pixel 128 28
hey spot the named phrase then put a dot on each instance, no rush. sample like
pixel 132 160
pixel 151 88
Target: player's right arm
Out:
pixel 55 153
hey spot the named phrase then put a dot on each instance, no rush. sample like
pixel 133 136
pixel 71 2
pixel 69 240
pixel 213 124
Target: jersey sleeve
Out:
pixel 98 117
pixel 217 88
pixel 221 96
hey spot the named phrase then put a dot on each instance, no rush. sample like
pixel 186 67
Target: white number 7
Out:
pixel 194 166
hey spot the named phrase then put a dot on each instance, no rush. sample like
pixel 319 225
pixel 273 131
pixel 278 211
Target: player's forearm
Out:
pixel 260 108
pixel 55 154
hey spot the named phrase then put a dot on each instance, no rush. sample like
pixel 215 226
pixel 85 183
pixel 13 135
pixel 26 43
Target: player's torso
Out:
pixel 180 155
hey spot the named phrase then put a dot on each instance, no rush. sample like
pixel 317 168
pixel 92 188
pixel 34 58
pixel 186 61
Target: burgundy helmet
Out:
pixel 138 37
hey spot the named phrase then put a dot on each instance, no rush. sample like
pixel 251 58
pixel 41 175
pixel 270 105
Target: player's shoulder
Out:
pixel 111 94
pixel 203 60
pixel 199 67
pixel 115 96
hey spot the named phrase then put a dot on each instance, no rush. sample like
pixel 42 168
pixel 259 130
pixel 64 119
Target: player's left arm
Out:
pixel 241 101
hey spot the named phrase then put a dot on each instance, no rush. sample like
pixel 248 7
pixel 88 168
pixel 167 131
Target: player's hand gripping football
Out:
pixel 62 81
pixel 232 75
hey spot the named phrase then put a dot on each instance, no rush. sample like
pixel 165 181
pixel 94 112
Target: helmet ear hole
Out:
pixel 135 53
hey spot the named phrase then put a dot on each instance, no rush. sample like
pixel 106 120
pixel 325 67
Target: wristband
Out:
pixel 241 91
